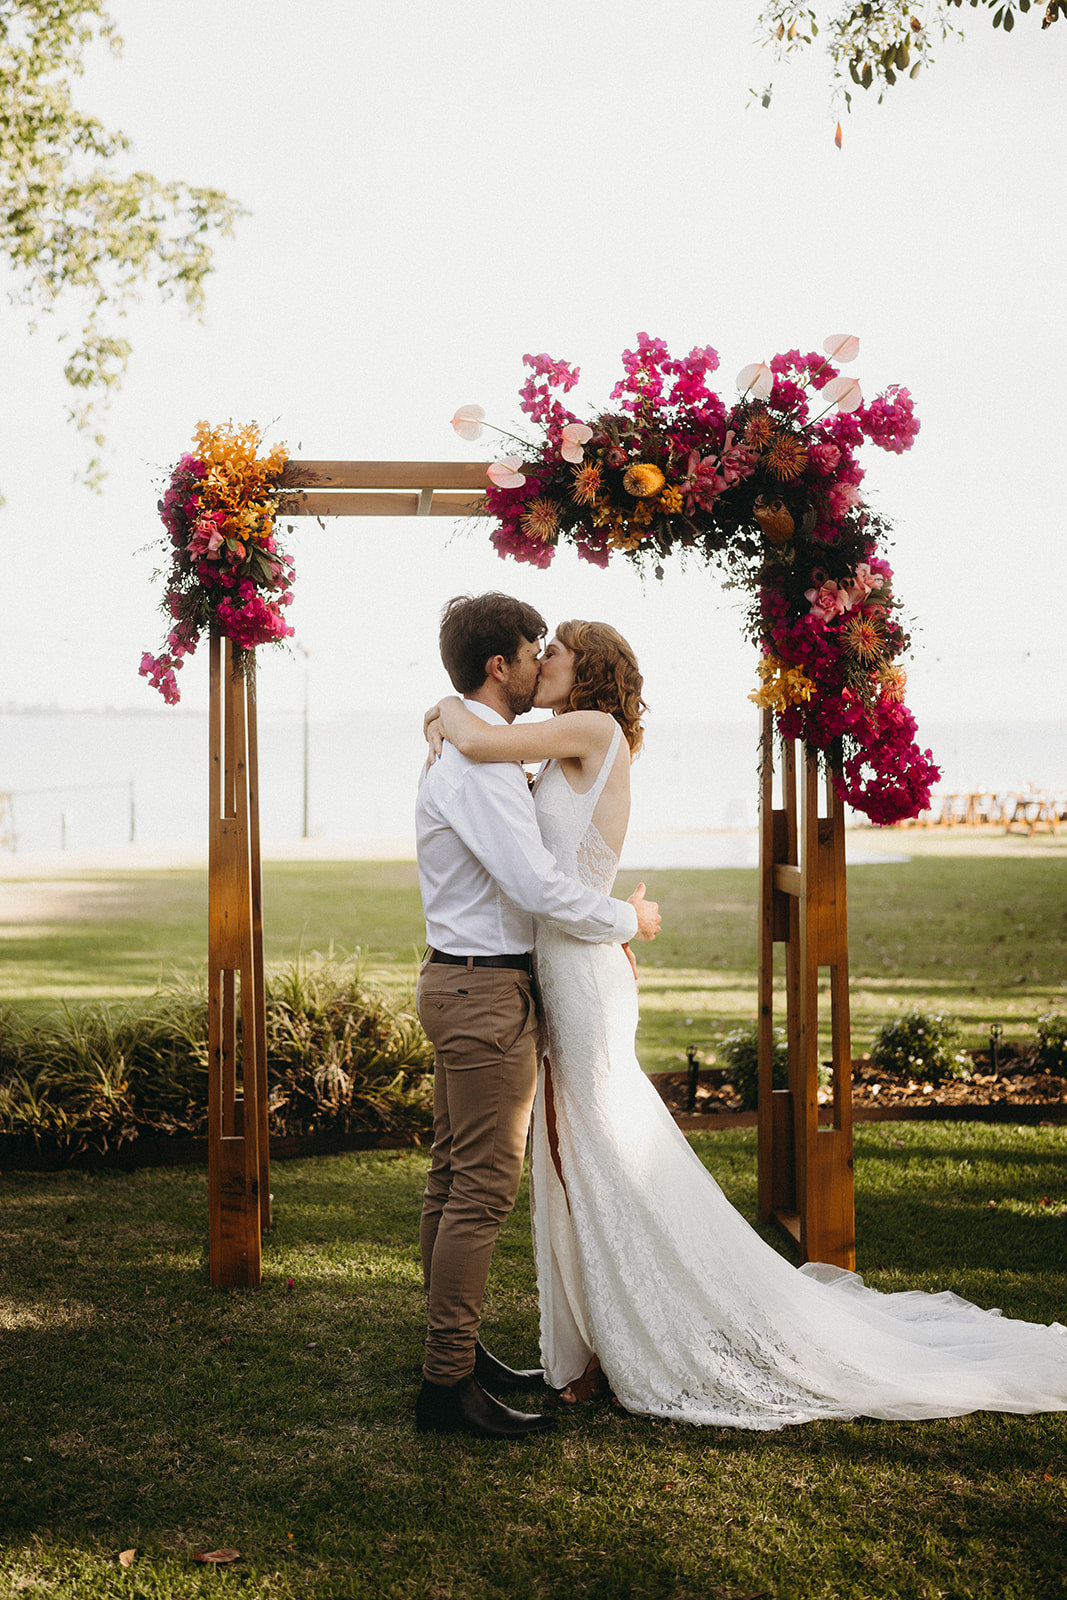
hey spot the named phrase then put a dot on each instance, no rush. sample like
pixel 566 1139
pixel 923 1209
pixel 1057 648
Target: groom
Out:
pixel 485 876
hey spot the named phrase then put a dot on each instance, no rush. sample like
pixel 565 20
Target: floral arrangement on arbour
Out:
pixel 769 486
pixel 227 571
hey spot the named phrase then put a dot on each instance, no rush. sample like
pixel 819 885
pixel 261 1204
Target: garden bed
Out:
pixel 1014 1088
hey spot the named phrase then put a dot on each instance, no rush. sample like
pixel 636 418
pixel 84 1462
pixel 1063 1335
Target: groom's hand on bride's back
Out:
pixel 647 914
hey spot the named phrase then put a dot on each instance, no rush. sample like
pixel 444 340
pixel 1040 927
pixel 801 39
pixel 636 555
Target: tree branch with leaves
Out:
pixel 82 232
pixel 873 45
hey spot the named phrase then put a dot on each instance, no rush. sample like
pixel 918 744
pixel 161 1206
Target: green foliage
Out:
pixel 921 1045
pixel 341 1058
pixel 874 43
pixel 739 1052
pixel 1052 1043
pixel 81 232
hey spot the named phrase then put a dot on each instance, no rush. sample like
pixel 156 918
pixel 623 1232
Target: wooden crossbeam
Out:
pixel 375 503
pixel 382 489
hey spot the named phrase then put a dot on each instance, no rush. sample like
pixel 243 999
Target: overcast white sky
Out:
pixel 435 190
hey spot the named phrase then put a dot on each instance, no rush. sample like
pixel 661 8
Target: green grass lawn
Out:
pixel 145 1411
pixel 983 938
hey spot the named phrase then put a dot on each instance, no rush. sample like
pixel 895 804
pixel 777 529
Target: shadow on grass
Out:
pixel 145 1409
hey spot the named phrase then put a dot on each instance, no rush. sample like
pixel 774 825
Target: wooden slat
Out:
pixel 235 1123
pixel 374 503
pixel 386 474
pixel 787 879
pixel 768 1164
pixel 256 1001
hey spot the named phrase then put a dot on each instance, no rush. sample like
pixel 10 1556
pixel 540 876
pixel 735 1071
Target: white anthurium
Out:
pixel 572 438
pixel 756 380
pixel 844 393
pixel 468 422
pixel 505 473
pixel 842 347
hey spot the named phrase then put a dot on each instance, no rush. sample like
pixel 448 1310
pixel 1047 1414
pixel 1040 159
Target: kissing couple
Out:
pixel 651 1287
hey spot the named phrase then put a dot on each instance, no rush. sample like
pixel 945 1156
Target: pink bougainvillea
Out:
pixel 226 570
pixel 768 486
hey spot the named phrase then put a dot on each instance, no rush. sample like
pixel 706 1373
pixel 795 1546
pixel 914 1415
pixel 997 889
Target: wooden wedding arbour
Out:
pixel 805 1167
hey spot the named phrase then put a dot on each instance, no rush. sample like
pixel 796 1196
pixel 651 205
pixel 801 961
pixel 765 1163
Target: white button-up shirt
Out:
pixel 483 871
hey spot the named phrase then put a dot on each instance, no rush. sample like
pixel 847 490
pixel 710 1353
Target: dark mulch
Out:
pixel 1015 1082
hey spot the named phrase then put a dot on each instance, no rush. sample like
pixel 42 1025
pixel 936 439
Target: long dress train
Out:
pixel 642 1259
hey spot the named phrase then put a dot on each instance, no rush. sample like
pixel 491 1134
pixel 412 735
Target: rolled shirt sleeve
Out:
pixel 484 873
pixel 505 838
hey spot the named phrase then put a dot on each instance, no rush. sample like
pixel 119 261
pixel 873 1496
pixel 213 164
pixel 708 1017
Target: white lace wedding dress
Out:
pixel 643 1261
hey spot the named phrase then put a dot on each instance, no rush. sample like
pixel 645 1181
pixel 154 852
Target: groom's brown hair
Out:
pixel 474 628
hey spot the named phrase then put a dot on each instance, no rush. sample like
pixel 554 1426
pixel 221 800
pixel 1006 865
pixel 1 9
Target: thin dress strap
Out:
pixel 592 795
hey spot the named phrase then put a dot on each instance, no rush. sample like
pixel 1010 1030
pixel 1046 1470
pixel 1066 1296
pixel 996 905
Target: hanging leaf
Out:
pixel 837 136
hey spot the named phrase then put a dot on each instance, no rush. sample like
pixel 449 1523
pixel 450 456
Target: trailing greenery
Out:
pixel 342 1058
pixel 739 1053
pixel 145 1411
pixel 920 1044
pixel 877 43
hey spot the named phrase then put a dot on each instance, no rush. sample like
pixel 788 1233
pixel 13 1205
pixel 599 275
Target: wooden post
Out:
pixel 805 1169
pixel 238 1158
pixel 238 1162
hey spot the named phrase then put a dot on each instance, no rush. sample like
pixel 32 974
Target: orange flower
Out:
pixel 863 637
pixel 786 457
pixel 586 484
pixel 758 430
pixel 643 479
pixel 893 681
pixel 541 520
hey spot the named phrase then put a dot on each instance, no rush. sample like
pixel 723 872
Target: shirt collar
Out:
pixel 487 713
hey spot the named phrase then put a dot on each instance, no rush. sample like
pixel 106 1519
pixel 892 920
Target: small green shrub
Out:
pixel 920 1044
pixel 739 1053
pixel 1052 1043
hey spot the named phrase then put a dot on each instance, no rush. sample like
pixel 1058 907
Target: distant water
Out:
pixel 85 781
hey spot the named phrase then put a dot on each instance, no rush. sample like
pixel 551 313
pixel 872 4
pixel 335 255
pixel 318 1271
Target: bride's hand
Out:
pixel 433 733
pixel 647 914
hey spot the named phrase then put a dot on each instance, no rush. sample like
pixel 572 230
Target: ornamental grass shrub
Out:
pixel 920 1044
pixel 343 1057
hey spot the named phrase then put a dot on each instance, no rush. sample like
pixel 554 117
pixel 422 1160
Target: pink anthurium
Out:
pixel 505 474
pixel 468 422
pixel 573 437
pixel 756 380
pixel 842 347
pixel 844 392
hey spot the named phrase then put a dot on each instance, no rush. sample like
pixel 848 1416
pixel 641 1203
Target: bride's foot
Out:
pixel 592 1385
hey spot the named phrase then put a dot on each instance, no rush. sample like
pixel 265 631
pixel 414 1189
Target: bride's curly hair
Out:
pixel 605 676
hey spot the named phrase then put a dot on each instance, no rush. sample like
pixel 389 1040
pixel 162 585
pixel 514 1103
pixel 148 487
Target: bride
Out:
pixel 651 1285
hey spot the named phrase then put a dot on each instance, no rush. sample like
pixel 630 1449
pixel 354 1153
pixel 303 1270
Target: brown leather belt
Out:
pixel 523 962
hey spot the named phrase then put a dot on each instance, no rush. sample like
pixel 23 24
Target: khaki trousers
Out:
pixel 482 1022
